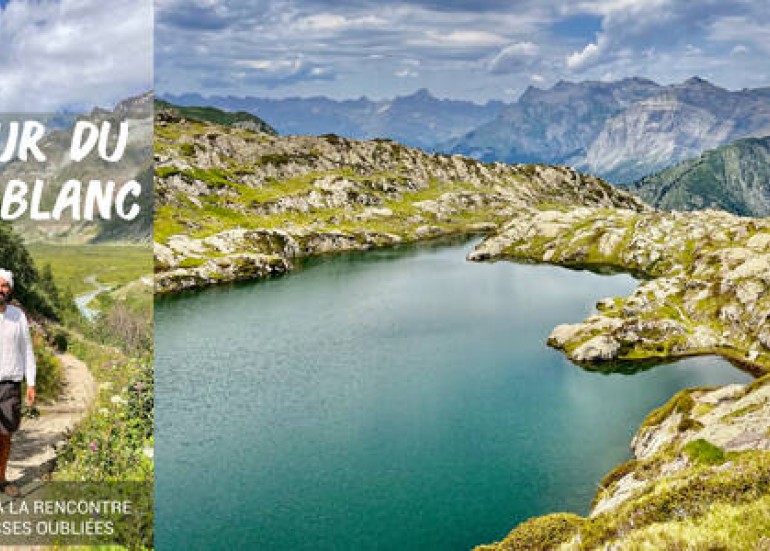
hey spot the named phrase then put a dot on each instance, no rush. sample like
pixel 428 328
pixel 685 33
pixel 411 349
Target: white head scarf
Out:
pixel 7 275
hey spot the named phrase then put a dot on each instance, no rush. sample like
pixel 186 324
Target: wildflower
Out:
pixel 93 445
pixel 148 452
pixel 139 386
pixel 116 399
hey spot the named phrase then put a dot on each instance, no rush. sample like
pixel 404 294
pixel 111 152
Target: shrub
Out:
pixel 703 452
pixel 49 370
pixel 542 532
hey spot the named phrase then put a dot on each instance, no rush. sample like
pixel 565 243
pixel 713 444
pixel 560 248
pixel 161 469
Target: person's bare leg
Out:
pixel 5 453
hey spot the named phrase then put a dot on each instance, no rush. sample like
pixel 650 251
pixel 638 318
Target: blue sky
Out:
pixel 470 49
pixel 73 54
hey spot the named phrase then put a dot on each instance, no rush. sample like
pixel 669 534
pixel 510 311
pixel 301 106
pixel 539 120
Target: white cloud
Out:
pixel 271 65
pixel 691 50
pixel 334 22
pixel 360 47
pixel 406 72
pixel 742 29
pixel 514 57
pixel 612 7
pixel 739 49
pixel 587 56
pixel 463 38
pixel 73 53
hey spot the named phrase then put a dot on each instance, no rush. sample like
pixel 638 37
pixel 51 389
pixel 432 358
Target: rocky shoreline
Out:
pixel 699 479
pixel 233 204
pixel 706 292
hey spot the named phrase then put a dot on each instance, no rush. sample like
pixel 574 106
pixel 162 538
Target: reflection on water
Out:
pixel 399 399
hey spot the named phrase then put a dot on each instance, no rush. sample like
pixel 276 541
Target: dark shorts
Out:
pixel 10 407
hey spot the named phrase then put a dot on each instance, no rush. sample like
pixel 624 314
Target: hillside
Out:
pixel 239 119
pixel 734 178
pixel 235 204
pixel 620 130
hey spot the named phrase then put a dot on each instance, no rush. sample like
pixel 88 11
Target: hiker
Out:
pixel 17 361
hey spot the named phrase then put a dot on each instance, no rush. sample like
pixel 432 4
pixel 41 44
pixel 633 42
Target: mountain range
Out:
pixel 621 130
pixel 419 120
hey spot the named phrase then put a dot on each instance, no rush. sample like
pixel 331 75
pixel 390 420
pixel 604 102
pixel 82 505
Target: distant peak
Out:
pixel 697 81
pixel 640 80
pixel 422 93
pixel 529 93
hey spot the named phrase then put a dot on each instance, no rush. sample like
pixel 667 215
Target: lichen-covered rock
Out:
pixel 239 267
pixel 227 191
pixel 705 450
pixel 733 418
pixel 709 290
pixel 600 347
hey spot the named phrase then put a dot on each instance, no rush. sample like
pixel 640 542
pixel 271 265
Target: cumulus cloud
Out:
pixel 739 49
pixel 691 32
pixel 588 56
pixel 73 54
pixel 407 72
pixel 754 29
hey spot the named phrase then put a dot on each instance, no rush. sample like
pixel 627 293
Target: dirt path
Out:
pixel 32 450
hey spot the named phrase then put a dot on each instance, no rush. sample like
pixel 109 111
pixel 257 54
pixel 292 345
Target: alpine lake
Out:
pixel 399 399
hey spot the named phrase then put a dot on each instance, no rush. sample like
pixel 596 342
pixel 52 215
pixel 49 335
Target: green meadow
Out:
pixel 111 265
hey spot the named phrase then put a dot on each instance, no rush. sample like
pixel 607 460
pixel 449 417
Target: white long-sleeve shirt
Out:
pixel 17 359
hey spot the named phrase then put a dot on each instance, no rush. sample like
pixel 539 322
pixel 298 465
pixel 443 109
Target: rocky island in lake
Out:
pixel 237 202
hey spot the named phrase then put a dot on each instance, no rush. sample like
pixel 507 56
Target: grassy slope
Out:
pixel 218 116
pixel 230 209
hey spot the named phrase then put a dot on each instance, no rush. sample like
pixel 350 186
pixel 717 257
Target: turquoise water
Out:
pixel 399 399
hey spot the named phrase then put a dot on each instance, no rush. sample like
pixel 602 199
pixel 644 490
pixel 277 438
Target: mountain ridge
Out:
pixel 418 119
pixel 619 130
pixel 733 177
